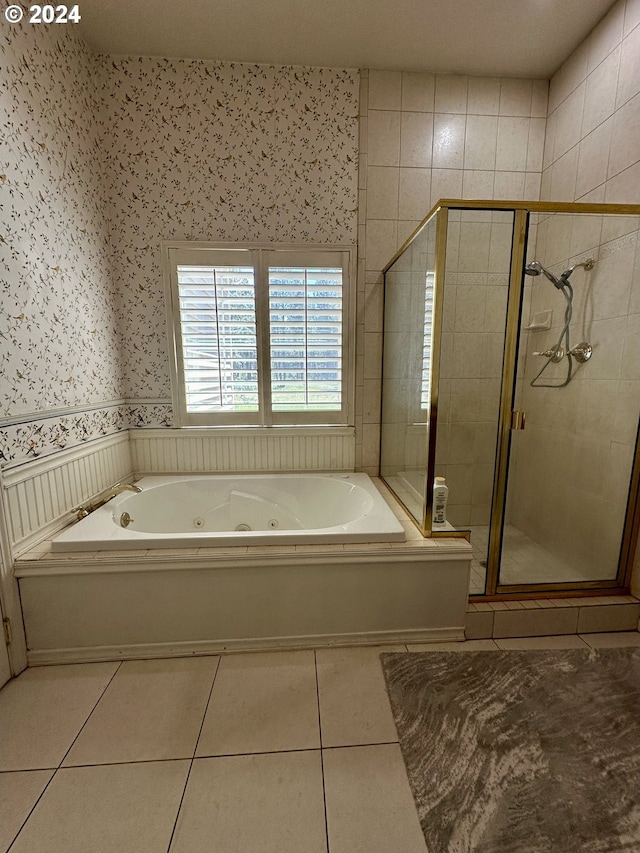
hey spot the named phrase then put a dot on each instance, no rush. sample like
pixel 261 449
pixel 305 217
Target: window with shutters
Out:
pixel 260 336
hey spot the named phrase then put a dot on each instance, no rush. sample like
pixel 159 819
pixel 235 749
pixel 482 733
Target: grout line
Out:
pixel 31 811
pixel 195 748
pixel 117 670
pixel 324 790
pixel 55 769
pixel 361 745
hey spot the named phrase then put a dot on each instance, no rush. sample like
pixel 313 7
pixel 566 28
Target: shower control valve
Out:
pixel 555 355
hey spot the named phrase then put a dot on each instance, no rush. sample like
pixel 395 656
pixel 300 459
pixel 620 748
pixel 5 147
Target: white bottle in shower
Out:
pixel 440 495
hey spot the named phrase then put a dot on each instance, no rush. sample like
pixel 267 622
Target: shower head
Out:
pixel 535 268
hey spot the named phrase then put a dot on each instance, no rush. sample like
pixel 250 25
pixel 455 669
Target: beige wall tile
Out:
pixel 414 193
pixel 383 138
pixel 515 97
pixel 385 89
pixel 629 73
pixel 382 192
pixel 631 16
pixel 381 242
pixel 540 98
pixel 478 184
pixel 569 122
pixel 448 141
pixel 480 142
pixel 513 139
pixel 483 96
pixel 451 93
pixel 569 75
pixel 418 91
pixel 600 92
pixel 416 139
pixel 626 133
pixel 593 158
pixel 606 36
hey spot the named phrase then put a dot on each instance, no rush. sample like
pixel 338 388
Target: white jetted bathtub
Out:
pixel 263 509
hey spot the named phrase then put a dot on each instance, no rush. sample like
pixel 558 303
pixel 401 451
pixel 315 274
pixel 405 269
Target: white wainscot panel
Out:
pixel 192 450
pixel 39 495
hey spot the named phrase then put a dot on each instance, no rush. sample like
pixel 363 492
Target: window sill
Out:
pixel 224 431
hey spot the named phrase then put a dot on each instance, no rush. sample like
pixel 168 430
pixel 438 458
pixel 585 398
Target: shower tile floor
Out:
pixel 244 753
pixel 523 561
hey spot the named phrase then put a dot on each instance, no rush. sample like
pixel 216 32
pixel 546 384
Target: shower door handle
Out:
pixel 517 419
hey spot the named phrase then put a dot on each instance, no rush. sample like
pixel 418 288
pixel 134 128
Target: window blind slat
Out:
pixel 219 341
pixel 305 321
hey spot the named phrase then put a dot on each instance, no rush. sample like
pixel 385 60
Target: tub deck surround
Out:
pixel 239 510
pixel 107 604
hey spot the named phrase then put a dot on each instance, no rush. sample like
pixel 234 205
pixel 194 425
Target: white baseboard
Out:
pixel 212 647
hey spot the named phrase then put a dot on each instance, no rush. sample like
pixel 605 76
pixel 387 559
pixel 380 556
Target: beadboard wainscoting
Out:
pixel 39 495
pixel 171 451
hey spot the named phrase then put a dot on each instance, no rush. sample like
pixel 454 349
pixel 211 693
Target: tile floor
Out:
pixel 283 751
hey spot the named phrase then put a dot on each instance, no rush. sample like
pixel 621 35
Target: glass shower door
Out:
pixel 578 384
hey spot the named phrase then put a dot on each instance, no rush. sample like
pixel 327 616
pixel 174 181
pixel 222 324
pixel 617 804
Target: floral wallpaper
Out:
pixel 58 325
pixel 42 436
pixel 217 151
pixel 105 158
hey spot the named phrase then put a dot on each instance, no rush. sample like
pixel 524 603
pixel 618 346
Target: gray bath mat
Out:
pixel 521 752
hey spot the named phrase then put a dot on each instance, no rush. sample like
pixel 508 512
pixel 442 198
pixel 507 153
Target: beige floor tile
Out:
pixel 19 792
pixel 262 702
pixel 563 641
pixel 354 706
pixel 44 708
pixel 253 804
pixel 117 807
pixel 616 640
pixel 466 646
pixel 370 808
pixel 153 709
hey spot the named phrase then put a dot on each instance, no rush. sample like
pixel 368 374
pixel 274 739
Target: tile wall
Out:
pixel 580 439
pixel 424 137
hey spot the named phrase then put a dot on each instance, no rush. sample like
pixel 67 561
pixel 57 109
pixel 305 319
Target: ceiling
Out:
pixel 515 38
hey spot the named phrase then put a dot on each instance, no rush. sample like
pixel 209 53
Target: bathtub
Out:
pixel 244 509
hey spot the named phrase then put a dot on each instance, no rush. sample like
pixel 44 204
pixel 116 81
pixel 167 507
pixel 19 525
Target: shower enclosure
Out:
pixel 511 367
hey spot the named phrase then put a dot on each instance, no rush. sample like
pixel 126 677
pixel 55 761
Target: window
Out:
pixel 260 335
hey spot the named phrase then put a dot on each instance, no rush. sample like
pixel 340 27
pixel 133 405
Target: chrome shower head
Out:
pixel 535 268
